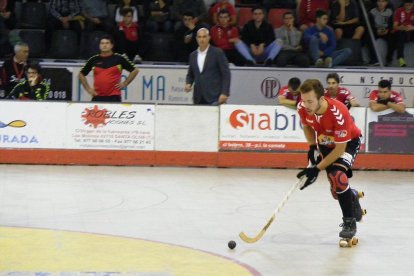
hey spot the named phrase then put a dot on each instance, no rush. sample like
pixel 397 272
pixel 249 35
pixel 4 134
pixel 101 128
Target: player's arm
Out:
pixel 129 79
pixel 398 107
pixel 85 84
pixel 376 107
pixel 287 102
pixel 332 156
pixel 309 135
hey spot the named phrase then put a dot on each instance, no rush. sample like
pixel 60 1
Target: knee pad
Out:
pixel 339 181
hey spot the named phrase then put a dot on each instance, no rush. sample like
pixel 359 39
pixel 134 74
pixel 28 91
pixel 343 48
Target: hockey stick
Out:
pixel 247 239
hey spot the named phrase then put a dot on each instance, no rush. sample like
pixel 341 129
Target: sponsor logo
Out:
pixel 270 87
pixel 341 133
pixel 15 123
pixel 95 117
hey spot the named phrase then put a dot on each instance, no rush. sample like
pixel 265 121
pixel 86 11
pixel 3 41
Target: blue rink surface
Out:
pixel 204 208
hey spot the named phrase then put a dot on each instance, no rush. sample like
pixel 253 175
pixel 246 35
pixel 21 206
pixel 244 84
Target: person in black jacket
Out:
pixel 33 88
pixel 259 36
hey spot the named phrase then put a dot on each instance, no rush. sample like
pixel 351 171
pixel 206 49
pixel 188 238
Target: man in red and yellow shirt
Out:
pixel 107 72
pixel 328 126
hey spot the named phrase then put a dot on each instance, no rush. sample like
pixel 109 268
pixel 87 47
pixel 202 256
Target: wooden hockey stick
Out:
pixel 247 239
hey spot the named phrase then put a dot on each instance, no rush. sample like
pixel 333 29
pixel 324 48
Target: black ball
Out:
pixel 231 244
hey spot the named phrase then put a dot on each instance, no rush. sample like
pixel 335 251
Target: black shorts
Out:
pixel 115 98
pixel 348 157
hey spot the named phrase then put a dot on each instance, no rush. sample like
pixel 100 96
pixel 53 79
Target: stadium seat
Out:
pixel 64 44
pixel 90 43
pixel 36 41
pixel 33 16
pixel 244 15
pixel 161 47
pixel 275 17
pixel 355 45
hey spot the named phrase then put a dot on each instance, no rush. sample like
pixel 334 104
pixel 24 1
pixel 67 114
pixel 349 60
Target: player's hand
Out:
pixel 120 85
pixel 348 104
pixel 383 101
pixel 222 99
pixel 188 87
pixel 314 156
pixel 311 174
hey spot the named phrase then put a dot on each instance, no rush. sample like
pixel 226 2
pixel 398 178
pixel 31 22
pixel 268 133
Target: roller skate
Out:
pixel 348 232
pixel 356 207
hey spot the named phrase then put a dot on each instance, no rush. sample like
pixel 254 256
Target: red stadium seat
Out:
pixel 275 17
pixel 244 15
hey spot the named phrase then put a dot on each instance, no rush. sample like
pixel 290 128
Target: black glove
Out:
pixel 314 156
pixel 384 101
pixel 348 104
pixel 311 174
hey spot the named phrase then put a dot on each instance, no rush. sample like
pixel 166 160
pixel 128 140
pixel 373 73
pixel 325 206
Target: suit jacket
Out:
pixel 215 78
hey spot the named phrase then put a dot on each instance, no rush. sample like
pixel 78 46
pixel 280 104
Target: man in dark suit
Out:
pixel 209 72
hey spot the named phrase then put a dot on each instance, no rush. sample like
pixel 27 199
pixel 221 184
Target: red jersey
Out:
pixel 284 91
pixel 334 126
pixel 342 94
pixel 221 6
pixel 308 8
pixel 131 31
pixel 107 72
pixel 404 18
pixel 394 97
pixel 220 36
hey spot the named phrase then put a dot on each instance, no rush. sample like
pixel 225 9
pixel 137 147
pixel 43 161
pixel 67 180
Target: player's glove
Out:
pixel 310 173
pixel 383 101
pixel 348 104
pixel 314 156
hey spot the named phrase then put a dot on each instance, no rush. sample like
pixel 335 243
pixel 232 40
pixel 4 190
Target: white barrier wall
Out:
pixel 186 128
pixel 55 125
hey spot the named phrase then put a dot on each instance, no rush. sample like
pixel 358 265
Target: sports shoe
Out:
pixel 401 61
pixel 319 62
pixel 328 62
pixel 137 59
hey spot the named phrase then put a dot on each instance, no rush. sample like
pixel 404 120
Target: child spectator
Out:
pixel 127 36
pixel 223 5
pixel 381 21
pixel 126 4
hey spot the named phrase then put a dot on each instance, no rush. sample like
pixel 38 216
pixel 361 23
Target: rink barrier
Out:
pixel 364 161
pixel 181 135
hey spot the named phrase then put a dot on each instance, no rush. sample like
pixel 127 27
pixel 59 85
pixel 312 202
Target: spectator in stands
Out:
pixel 383 98
pixel 289 38
pixel 107 72
pixel 345 19
pixel 321 43
pixel 381 18
pixel 307 12
pixel 179 7
pixel 403 28
pixel 158 16
pixel 12 71
pixel 209 72
pixel 7 15
pixel 185 36
pixel 126 4
pixel 127 36
pixel 259 36
pixel 289 95
pixel 64 15
pixel 226 37
pixel 33 87
pixel 342 94
pixel 223 5
pixel 96 15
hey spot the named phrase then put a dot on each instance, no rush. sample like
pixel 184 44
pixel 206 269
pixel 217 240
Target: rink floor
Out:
pixel 83 220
